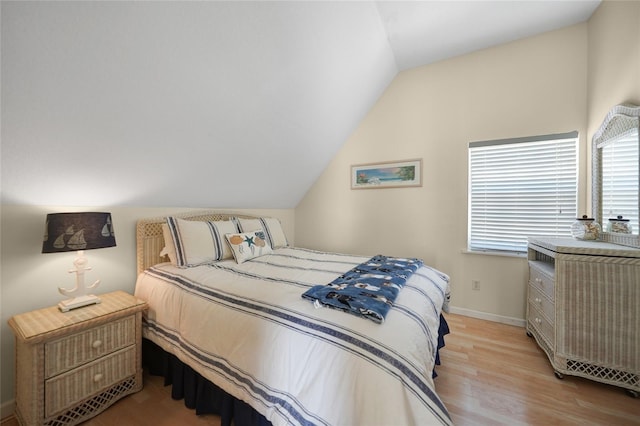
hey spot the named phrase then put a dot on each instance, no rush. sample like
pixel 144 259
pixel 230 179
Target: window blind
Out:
pixel 620 179
pixel 519 188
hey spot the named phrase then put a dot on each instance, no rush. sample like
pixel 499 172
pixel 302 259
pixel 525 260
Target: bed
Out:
pixel 239 324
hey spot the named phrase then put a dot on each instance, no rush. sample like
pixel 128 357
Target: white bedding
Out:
pixel 246 328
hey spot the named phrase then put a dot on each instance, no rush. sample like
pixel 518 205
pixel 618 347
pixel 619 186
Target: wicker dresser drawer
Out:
pixel 542 281
pixel 542 303
pixel 542 324
pixel 69 352
pixel 67 389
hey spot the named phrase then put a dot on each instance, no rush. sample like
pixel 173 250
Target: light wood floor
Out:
pixel 491 374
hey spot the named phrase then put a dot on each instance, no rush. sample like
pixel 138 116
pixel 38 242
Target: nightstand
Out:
pixel 71 366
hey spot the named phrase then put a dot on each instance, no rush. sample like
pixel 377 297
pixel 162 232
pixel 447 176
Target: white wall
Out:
pixel 529 87
pixel 614 59
pixel 560 81
pixel 29 279
pixel 255 96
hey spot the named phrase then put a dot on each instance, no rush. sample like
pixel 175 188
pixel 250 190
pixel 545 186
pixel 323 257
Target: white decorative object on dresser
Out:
pixel 583 308
pixel 71 366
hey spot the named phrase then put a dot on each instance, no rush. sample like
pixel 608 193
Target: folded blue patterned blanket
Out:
pixel 369 289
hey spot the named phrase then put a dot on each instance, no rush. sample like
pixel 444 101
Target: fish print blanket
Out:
pixel 369 289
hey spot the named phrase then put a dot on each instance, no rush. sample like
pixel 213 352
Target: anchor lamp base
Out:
pixel 78 302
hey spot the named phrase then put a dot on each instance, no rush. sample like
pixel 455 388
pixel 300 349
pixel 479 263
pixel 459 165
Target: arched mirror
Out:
pixel 616 176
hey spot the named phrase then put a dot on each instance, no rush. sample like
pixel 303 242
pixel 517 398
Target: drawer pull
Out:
pixel 98 377
pixel 96 344
pixel 538 300
pixel 538 320
pixel 539 280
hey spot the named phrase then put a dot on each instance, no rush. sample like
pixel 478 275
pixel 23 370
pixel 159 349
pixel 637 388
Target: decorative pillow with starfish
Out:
pixel 248 245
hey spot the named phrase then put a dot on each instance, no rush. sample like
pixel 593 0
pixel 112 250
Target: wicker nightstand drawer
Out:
pixel 69 352
pixel 542 281
pixel 70 388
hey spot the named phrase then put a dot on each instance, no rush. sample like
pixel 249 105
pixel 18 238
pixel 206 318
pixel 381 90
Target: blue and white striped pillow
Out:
pixel 198 242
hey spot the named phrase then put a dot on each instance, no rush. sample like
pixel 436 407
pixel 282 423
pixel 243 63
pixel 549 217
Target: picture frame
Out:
pixel 387 174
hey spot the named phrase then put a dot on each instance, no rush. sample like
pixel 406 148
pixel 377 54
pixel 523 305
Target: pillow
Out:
pixel 169 248
pixel 270 225
pixel 248 245
pixel 198 242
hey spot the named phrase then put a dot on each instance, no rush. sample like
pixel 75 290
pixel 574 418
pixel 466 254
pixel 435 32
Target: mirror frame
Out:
pixel 621 119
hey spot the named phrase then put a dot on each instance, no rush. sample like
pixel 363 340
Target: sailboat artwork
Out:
pixel 75 242
pixel 71 239
pixel 107 229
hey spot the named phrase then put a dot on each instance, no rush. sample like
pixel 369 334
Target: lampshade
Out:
pixel 78 231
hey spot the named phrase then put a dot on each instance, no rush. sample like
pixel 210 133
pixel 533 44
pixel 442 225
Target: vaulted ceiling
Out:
pixel 216 104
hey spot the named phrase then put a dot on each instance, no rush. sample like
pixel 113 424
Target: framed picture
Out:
pixel 390 174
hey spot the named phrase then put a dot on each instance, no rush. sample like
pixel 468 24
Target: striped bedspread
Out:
pixel 246 329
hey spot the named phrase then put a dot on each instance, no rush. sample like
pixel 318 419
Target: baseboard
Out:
pixel 518 322
pixel 7 409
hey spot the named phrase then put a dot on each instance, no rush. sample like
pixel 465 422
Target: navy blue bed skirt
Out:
pixel 206 398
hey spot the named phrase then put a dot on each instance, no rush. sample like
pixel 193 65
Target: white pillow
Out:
pixel 248 245
pixel 198 242
pixel 169 248
pixel 270 225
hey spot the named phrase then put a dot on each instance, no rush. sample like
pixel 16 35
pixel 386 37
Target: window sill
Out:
pixel 496 253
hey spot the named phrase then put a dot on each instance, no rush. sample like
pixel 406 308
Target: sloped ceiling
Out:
pixel 215 104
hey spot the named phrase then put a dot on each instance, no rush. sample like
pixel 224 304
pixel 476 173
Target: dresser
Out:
pixel 71 366
pixel 583 308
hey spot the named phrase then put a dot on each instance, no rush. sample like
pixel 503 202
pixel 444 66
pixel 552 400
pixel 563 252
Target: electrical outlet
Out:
pixel 475 285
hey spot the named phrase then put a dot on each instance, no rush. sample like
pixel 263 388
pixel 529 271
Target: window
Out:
pixel 520 188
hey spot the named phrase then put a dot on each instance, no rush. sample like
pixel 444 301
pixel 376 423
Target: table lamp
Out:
pixel 78 232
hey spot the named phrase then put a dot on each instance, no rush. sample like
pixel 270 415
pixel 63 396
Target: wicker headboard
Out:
pixel 150 241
